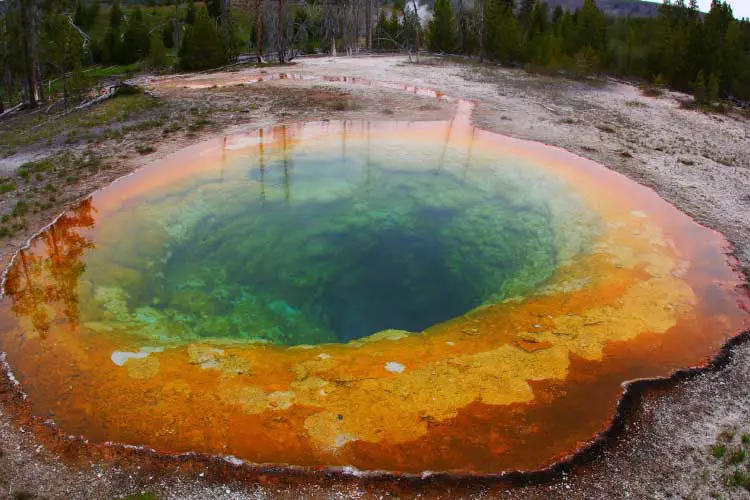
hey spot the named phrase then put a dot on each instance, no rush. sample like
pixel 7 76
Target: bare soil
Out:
pixel 700 162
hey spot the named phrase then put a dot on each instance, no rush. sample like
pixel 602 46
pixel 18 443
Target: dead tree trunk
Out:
pixel 259 29
pixel 480 12
pixel 368 25
pixel 462 26
pixel 282 33
pixel 356 8
pixel 417 27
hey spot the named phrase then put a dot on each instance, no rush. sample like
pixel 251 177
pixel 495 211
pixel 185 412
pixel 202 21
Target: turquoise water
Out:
pixel 314 246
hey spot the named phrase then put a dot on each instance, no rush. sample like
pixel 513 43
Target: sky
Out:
pixel 741 8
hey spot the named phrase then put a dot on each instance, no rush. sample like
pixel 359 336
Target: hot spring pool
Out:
pixel 391 296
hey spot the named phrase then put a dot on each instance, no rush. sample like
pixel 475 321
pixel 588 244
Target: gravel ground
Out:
pixel 699 162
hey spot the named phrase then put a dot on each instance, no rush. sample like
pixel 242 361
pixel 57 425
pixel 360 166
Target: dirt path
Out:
pixel 699 162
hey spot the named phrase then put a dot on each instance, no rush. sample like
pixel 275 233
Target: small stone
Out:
pixel 394 367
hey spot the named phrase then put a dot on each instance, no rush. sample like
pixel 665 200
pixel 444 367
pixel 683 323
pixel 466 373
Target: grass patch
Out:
pixel 142 496
pixel 117 109
pixel 31 129
pixel 198 124
pixel 739 479
pixel 719 450
pixel 22 495
pixel 344 105
pixel 7 187
pixel 171 128
pixel 636 104
pixel 112 71
pixel 738 456
pixel 652 92
pixel 145 149
pixel 21 209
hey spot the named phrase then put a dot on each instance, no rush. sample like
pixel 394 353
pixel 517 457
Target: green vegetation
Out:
pixel 34 129
pixel 442 33
pixel 40 186
pixel 22 495
pixel 731 452
pixel 142 496
pixel 681 48
pixel 202 48
pixel 738 456
pixel 59 49
pixel 145 149
pixel 739 478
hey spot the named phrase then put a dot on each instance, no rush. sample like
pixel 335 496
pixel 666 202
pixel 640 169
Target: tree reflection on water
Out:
pixel 47 279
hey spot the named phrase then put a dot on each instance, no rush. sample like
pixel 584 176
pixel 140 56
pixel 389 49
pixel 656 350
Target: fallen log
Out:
pixel 111 91
pixel 12 110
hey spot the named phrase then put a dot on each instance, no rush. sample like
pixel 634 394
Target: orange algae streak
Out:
pixel 511 385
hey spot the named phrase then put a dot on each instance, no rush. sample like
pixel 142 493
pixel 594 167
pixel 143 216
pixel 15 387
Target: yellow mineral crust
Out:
pixel 358 398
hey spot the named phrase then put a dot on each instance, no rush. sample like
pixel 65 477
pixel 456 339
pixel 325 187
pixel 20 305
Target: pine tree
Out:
pixel 135 43
pixel 394 29
pixel 157 52
pixel 62 49
pixel 501 32
pixel 713 88
pixel 93 12
pixel 557 15
pixel 591 26
pixel 699 89
pixel 442 31
pixel 167 35
pixel 539 19
pixel 214 8
pixel 191 13
pixel 115 15
pixel 201 47
pixel 81 15
pixel 383 32
pixel 524 13
pixel 112 46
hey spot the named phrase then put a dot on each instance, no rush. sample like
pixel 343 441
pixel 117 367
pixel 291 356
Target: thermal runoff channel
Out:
pixel 391 296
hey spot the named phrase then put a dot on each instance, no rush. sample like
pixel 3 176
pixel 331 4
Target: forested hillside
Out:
pixel 614 8
pixel 680 48
pixel 53 49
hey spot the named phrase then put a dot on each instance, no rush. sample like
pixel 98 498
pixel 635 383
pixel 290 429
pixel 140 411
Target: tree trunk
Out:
pixel 416 28
pixel 462 26
pixel 329 20
pixel 65 91
pixel 282 34
pixel 28 26
pixel 40 82
pixel 480 9
pixel 259 29
pixel 368 25
pixel 356 7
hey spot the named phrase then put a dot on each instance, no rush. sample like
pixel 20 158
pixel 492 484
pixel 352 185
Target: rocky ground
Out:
pixel 698 161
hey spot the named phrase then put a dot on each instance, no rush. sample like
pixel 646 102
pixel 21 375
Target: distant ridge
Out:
pixel 613 8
